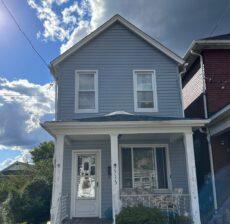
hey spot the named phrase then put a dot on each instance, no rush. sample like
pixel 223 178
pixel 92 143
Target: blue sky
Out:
pixel 26 97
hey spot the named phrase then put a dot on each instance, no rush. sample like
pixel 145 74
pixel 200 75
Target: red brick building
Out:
pixel 206 93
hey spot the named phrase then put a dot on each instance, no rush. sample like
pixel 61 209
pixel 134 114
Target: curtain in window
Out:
pixel 86 92
pixel 144 168
pixel 144 91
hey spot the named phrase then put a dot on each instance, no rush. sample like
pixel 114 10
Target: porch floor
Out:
pixel 90 221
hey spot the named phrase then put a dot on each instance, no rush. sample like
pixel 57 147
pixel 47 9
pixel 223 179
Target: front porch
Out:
pixel 150 165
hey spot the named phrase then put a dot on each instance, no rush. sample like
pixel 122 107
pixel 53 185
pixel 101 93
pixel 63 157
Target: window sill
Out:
pixel 86 111
pixel 147 110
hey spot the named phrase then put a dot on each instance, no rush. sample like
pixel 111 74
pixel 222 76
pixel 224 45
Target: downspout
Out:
pixel 207 132
pixel 180 86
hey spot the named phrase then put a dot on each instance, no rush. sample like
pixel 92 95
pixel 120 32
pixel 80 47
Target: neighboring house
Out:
pixel 121 136
pixel 206 91
pixel 16 168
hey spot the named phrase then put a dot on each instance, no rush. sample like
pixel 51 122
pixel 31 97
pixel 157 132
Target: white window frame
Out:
pixel 154 146
pixel 77 72
pixel 154 86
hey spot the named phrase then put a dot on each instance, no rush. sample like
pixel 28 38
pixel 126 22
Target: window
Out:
pixel 145 94
pixel 144 167
pixel 86 92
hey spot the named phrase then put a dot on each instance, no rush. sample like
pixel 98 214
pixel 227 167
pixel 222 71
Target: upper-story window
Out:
pixel 86 99
pixel 145 93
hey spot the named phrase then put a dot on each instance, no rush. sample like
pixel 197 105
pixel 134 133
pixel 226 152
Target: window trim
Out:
pixel 166 146
pixel 154 85
pixel 77 72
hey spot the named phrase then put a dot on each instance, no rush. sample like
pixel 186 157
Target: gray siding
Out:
pixel 178 165
pixel 115 54
pixel 176 156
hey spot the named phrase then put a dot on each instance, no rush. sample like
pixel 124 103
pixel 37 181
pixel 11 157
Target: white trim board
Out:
pixel 133 127
pixel 116 18
pixel 73 178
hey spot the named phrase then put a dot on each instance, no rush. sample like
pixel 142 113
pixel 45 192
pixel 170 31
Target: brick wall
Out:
pixel 217 72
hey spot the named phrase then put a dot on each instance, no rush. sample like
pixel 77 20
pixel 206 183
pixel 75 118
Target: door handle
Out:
pixel 97 183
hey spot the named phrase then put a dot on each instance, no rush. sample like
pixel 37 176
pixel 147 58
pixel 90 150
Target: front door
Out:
pixel 86 196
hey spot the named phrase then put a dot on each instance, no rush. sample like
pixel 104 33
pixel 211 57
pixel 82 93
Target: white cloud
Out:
pixel 81 31
pixel 163 20
pixel 23 106
pixel 36 100
pixel 58 24
pixel 51 22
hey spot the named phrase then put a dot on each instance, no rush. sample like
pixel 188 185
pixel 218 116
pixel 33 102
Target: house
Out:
pixel 16 168
pixel 206 92
pixel 120 132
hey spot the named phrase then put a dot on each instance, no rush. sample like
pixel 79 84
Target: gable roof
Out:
pixel 215 42
pixel 106 25
pixel 25 165
pixel 218 37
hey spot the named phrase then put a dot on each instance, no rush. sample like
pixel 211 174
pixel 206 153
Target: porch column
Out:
pixel 57 179
pixel 192 181
pixel 115 176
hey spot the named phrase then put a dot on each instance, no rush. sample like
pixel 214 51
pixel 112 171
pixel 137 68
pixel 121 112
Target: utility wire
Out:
pixel 24 34
pixel 219 20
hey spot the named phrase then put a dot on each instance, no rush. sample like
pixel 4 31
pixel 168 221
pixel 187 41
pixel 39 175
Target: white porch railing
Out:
pixel 169 202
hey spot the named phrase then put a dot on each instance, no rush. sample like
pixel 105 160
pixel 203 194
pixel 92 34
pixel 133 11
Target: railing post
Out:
pixel 57 179
pixel 115 176
pixel 192 181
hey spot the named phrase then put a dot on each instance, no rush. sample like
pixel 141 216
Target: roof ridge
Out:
pixel 152 41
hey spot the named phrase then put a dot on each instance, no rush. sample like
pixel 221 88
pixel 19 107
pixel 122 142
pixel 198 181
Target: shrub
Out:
pixel 140 215
pixel 144 215
pixel 36 201
pixel 32 205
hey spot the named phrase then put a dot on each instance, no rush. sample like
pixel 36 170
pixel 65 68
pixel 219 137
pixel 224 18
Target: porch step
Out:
pixel 90 221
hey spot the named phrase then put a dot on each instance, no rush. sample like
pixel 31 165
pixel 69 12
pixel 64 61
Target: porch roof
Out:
pixel 126 117
pixel 122 123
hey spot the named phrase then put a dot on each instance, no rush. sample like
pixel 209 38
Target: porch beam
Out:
pixel 121 130
pixel 192 180
pixel 115 176
pixel 57 179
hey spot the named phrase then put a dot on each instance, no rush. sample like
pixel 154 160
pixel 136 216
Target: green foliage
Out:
pixel 43 159
pixel 36 201
pixel 27 197
pixel 13 207
pixel 145 215
pixel 140 215
pixel 32 206
pixel 43 152
pixel 11 183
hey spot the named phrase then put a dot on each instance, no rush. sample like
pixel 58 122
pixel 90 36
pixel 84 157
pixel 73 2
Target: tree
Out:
pixel 36 201
pixel 29 196
pixel 43 152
